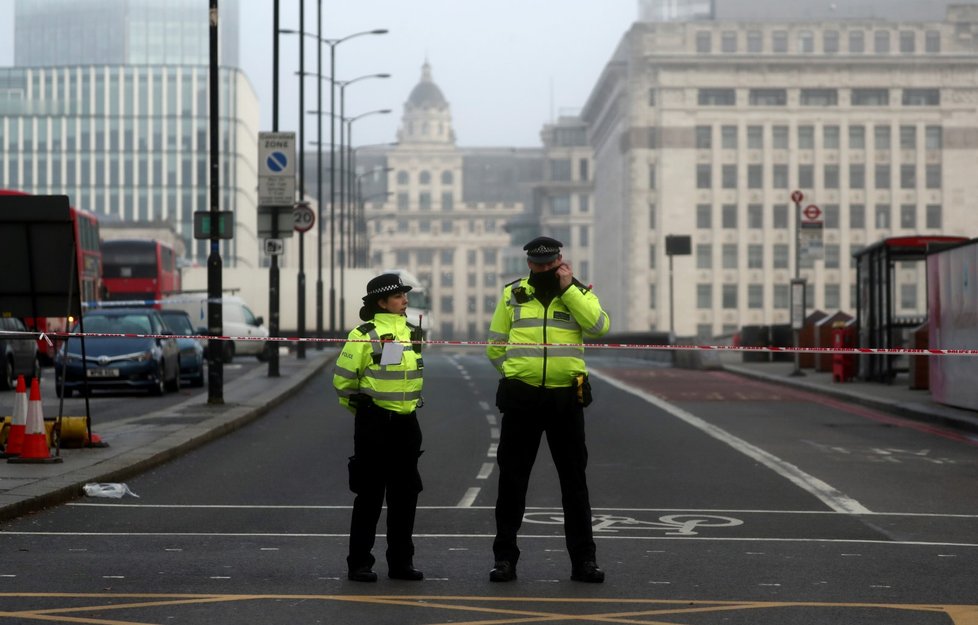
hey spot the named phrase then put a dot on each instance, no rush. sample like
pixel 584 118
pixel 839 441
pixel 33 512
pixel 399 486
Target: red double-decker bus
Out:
pixel 85 228
pixel 142 272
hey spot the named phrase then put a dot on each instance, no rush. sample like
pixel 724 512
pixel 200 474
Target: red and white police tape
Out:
pixel 435 342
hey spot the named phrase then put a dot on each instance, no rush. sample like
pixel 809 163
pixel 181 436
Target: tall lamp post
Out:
pixel 357 217
pixel 349 138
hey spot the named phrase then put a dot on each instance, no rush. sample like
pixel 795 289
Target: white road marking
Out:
pixel 492 450
pixel 484 405
pixel 485 471
pixel 835 499
pixel 469 498
pixel 494 434
pixel 491 418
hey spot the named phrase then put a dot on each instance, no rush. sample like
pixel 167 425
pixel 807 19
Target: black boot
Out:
pixel 587 572
pixel 502 571
pixel 405 572
pixel 362 573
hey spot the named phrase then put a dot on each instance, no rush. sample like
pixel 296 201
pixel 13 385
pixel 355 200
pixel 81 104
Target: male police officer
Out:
pixel 544 389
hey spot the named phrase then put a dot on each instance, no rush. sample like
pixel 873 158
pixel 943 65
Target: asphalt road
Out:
pixel 716 500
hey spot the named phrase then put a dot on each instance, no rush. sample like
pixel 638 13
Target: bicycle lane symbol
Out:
pixel 670 524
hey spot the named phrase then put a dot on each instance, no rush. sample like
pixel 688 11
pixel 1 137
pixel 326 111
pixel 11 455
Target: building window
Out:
pixel 779 137
pixel 704 176
pixel 729 175
pixel 882 216
pixel 729 258
pixel 806 137
pixel 424 201
pixel 830 41
pixel 934 216
pixel 755 216
pixel 447 278
pixel 560 170
pixel 651 257
pixel 447 304
pixel 704 137
pixel 819 97
pixel 652 296
pixel 857 176
pixel 830 137
pixel 728 41
pixel 652 215
pixel 755 256
pixel 832 296
pixel 908 43
pixel 857 42
pixel 755 176
pixel 424 177
pixel 933 138
pixel 704 216
pixel 806 176
pixel 583 236
pixel 779 41
pixel 704 296
pixel 933 174
pixel 908 138
pixel 882 177
pixel 583 203
pixel 780 256
pixel 857 137
pixel 779 216
pixel 779 176
pixel 932 42
pixel 881 42
pixel 755 41
pixel 402 201
pixel 704 256
pixel 755 137
pixel 728 137
pixel 717 97
pixel 755 296
pixel 870 97
pixel 857 216
pixel 830 177
pixel 730 296
pixel 651 176
pixel 908 296
pixel 704 42
pixel 446 177
pixel 447 201
pixel 908 176
pixel 583 170
pixel 781 296
pixel 830 215
pixel 832 256
pixel 921 97
pixel 908 216
pixel 881 137
pixel 806 42
pixel 729 216
pixel 447 256
pixel 768 97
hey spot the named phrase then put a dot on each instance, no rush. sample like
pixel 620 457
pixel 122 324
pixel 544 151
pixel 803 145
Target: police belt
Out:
pixel 366 403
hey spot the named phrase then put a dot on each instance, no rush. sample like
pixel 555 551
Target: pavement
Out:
pixel 139 443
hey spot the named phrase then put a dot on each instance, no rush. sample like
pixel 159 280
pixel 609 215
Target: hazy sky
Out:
pixel 505 66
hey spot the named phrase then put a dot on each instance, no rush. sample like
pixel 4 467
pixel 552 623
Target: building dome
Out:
pixel 426 93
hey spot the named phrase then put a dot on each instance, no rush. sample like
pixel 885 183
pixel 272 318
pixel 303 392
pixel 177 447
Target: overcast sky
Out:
pixel 505 66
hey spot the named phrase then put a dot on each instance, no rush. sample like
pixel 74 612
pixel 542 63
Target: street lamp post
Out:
pixel 343 248
pixel 359 223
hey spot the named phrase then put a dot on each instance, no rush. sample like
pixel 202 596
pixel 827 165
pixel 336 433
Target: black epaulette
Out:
pixel 516 281
pixel 365 328
pixel 581 286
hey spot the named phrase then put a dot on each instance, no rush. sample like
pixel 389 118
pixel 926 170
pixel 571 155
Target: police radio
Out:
pixel 417 336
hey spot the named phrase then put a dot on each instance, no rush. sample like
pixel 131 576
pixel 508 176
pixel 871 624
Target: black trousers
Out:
pixel 386 447
pixel 526 418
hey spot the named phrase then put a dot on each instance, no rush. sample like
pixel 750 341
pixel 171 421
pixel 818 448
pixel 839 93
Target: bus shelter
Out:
pixel 890 301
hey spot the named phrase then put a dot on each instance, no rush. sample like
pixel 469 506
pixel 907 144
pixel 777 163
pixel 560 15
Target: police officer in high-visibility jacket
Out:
pixel 378 377
pixel 544 389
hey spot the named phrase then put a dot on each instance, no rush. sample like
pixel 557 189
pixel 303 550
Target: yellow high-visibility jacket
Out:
pixel 521 318
pixel 358 370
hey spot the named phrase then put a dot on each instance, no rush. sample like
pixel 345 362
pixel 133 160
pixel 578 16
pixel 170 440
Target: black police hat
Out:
pixel 383 285
pixel 543 249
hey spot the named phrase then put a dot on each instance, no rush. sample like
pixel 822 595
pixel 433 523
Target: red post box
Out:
pixel 843 336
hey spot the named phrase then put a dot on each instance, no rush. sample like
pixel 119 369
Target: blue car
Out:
pixel 191 350
pixel 120 363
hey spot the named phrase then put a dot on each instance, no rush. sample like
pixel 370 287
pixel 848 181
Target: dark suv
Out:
pixel 18 356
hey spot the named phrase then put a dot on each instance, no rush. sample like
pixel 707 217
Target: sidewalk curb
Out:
pixel 53 491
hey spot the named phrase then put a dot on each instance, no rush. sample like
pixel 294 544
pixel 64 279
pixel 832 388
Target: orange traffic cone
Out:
pixel 35 448
pixel 15 437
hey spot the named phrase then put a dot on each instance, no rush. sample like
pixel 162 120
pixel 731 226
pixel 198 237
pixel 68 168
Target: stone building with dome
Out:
pixel 453 215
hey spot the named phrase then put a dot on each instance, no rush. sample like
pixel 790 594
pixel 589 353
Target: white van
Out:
pixel 237 320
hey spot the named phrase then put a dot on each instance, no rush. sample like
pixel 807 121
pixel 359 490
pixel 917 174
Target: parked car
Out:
pixel 151 364
pixel 191 350
pixel 236 320
pixel 18 356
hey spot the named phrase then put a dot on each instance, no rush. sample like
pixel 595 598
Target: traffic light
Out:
pixel 208 222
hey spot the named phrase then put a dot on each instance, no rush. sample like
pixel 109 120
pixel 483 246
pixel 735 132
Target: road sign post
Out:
pixel 797 197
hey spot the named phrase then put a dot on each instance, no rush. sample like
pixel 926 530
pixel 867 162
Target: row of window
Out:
pixel 424 177
pixel 730 216
pixel 757 137
pixel 129 134
pixel 805 41
pixel 830 176
pixel 869 96
pixel 910 298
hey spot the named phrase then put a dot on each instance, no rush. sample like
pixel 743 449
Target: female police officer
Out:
pixel 378 378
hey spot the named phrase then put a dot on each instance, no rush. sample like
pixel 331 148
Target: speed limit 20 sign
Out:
pixel 303 217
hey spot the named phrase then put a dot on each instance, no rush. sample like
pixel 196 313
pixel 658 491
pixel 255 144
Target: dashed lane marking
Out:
pixel 492 609
pixel 469 498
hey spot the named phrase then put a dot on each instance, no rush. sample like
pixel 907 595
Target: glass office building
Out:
pixel 108 103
